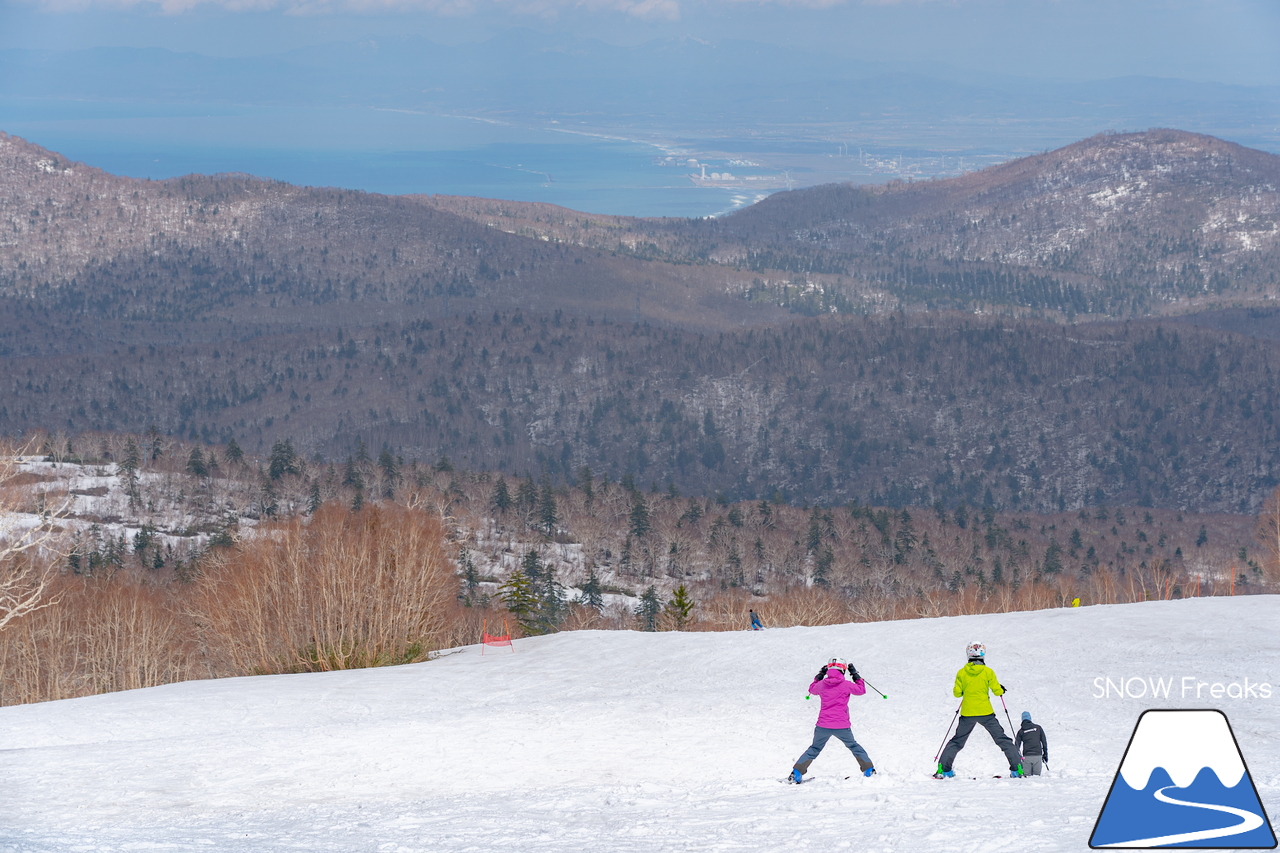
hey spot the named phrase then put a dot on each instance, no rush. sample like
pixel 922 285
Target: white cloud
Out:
pixel 808 4
pixel 648 10
pixel 655 10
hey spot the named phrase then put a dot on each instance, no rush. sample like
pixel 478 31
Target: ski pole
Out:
pixel 942 745
pixel 1012 730
pixel 873 687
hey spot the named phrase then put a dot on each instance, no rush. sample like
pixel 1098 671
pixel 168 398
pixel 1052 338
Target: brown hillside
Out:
pixel 237 246
pixel 229 307
pixel 1164 217
pixel 1117 224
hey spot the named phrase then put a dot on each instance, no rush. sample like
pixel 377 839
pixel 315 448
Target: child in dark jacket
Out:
pixel 833 717
pixel 1033 745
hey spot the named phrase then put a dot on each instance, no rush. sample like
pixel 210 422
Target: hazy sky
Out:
pixel 1231 41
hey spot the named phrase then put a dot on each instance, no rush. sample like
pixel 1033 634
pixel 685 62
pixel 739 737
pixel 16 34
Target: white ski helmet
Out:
pixel 976 651
pixel 840 664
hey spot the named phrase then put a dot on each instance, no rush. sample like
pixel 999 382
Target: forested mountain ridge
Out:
pixel 903 409
pixel 1117 224
pixel 229 307
pixel 80 240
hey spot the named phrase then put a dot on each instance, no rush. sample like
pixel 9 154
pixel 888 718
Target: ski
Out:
pixel 974 778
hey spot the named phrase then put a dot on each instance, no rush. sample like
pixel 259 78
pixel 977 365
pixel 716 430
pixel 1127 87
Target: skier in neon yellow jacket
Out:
pixel 974 682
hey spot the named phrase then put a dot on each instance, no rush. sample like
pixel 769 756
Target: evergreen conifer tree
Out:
pixel 284 460
pixel 268 502
pixel 694 512
pixel 501 497
pixel 196 466
pixel 155 442
pixel 680 608
pixel 1053 558
pixel 129 471
pixel 531 565
pixel 143 538
pixel 527 495
pixel 640 524
pixel 547 515
pixel 592 591
pixel 470 578
pixel 351 475
pixel 813 537
pixel 551 601
pixel 822 567
pixel 521 601
pixel 390 472
pixel 648 609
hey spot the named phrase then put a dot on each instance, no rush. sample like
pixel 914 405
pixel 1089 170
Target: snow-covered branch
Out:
pixel 29 539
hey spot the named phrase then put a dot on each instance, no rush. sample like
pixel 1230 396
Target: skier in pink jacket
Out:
pixel 833 719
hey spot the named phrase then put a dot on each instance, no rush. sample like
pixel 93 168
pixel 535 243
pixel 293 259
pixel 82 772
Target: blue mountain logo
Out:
pixel 1183 783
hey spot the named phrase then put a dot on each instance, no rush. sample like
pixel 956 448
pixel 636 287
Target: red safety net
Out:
pixel 496 640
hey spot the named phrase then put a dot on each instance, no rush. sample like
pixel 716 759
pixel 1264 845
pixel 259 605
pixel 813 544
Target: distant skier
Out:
pixel 1033 744
pixel 833 717
pixel 755 621
pixel 973 681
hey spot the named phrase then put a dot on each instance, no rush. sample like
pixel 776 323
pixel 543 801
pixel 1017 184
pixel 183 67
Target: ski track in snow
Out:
pixel 883 815
pixel 625 741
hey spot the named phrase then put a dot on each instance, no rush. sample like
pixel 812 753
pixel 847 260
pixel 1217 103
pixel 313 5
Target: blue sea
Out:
pixel 377 150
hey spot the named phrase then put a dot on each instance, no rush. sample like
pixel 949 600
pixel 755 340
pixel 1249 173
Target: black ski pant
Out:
pixel 992 725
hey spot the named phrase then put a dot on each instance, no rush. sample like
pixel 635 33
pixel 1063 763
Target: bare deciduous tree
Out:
pixel 29 536
pixel 1269 531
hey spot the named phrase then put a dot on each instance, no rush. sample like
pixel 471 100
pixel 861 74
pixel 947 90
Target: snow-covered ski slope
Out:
pixel 626 741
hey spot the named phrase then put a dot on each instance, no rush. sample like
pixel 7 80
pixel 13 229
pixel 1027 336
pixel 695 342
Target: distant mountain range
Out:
pixel 737 88
pixel 1114 225
pixel 525 337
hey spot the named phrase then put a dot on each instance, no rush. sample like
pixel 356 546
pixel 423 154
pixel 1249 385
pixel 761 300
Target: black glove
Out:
pixel 822 673
pixel 1004 689
pixel 853 673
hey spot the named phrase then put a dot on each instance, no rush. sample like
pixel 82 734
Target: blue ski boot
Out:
pixel 869 772
pixel 796 776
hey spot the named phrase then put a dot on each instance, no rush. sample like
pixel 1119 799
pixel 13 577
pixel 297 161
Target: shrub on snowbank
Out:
pixel 341 590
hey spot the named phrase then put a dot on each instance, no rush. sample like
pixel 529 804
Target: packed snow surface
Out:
pixel 628 741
